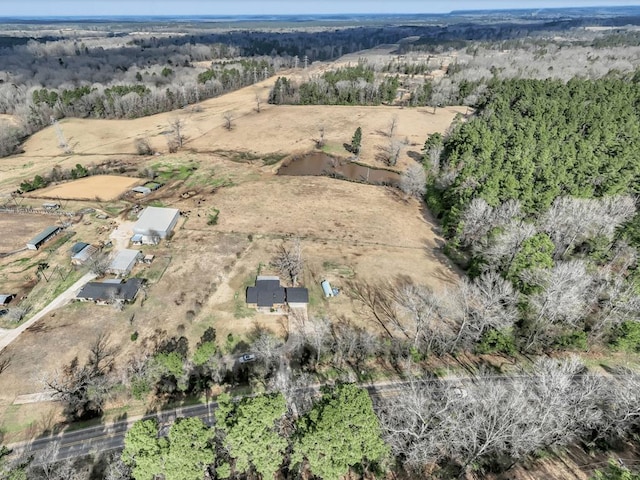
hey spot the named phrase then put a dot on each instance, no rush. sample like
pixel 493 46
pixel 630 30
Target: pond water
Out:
pixel 319 163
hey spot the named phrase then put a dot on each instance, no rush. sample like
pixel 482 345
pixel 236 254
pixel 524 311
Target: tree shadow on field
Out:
pixel 417 156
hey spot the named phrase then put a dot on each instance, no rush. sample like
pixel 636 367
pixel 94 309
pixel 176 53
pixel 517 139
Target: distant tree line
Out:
pixel 353 85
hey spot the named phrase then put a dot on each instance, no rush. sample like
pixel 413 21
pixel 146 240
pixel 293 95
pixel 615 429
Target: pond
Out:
pixel 318 163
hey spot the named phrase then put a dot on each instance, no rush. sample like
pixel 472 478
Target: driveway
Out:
pixel 8 336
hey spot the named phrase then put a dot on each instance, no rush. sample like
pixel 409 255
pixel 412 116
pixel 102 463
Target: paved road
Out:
pixel 65 297
pixel 104 438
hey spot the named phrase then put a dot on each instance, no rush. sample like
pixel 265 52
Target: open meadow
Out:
pixel 347 230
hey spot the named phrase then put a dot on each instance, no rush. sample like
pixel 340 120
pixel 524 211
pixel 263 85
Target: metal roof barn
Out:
pixel 124 261
pixel 46 234
pixel 156 220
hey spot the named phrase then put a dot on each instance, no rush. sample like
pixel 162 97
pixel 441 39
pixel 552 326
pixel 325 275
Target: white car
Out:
pixel 247 357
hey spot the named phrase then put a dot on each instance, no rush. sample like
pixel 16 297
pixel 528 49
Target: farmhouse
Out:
pixel 155 223
pixel 5 299
pixel 36 242
pixel 83 255
pixel 104 293
pixel 268 294
pixel 124 262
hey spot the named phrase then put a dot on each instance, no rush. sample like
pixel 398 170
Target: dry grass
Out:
pixel 18 229
pixel 198 279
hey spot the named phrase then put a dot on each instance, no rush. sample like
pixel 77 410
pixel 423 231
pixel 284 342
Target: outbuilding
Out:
pixel 5 299
pixel 124 261
pixel 81 257
pixel 155 223
pixel 36 242
pixel 141 190
pixel 326 288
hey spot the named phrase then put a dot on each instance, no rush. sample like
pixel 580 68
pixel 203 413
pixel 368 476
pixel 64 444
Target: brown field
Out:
pixel 17 230
pixel 102 187
pixel 286 129
pixel 348 231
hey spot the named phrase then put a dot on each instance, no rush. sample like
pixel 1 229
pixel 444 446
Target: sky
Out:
pixel 271 7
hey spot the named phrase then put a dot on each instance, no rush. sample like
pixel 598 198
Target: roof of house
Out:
pixel 6 298
pixel 103 291
pixel 85 254
pixel 155 218
pixel 144 190
pixel 266 293
pixel 124 260
pixel 138 237
pixel 78 247
pixel 43 235
pixel 297 295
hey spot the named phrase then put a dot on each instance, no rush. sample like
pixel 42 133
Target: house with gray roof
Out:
pixel 104 293
pixel 269 295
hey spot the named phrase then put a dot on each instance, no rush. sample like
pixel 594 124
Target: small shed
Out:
pixel 326 288
pixel 137 239
pixel 124 261
pixel 83 255
pixel 78 247
pixel 141 190
pixel 36 242
pixel 5 299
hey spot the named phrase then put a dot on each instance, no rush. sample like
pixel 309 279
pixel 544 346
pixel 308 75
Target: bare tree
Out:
pixel 258 103
pixel 320 141
pixel 46 466
pixel 289 261
pixel 99 264
pixel 84 388
pixel 504 246
pixel 561 298
pixel 228 120
pixel 413 181
pixel 425 318
pixel 393 125
pixel 316 333
pixel 176 138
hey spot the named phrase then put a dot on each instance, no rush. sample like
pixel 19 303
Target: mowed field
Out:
pixel 103 187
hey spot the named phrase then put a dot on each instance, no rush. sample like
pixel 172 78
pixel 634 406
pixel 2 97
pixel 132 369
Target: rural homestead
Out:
pixel 319 240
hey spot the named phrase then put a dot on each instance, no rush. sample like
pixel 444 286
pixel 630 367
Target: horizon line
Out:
pixel 265 15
